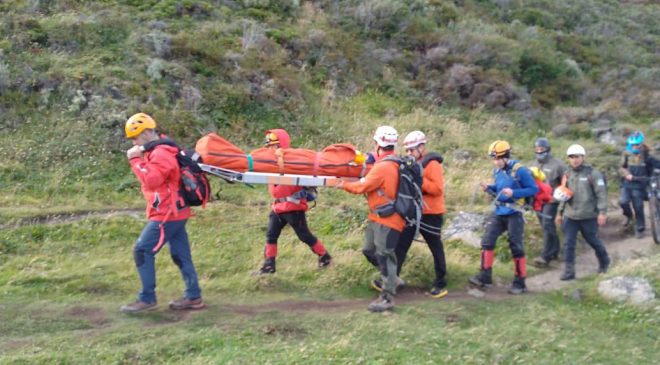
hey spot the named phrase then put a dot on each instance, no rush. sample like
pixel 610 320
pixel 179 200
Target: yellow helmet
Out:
pixel 499 149
pixel 537 173
pixel 138 123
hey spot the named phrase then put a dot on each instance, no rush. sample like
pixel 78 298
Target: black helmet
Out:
pixel 542 142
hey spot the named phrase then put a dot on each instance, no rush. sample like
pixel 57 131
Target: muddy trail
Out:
pixel 621 246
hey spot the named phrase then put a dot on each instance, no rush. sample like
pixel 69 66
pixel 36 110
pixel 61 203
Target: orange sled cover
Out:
pixel 335 160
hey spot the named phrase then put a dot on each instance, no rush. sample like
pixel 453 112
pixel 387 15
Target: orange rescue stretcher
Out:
pixel 283 166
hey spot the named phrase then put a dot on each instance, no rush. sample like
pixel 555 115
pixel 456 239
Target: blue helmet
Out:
pixel 634 140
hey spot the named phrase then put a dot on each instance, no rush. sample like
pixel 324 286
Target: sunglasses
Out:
pixel 574 156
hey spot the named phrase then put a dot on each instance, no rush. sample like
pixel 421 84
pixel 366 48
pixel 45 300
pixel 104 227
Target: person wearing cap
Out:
pixel 636 166
pixel 582 208
pixel 433 196
pixel 385 225
pixel 154 163
pixel 553 169
pixel 512 183
pixel 288 207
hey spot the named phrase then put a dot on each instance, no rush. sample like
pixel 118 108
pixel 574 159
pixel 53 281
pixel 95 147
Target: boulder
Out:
pixel 631 289
pixel 572 115
pixel 560 130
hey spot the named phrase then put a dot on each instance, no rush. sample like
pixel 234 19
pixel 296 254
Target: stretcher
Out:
pixel 273 178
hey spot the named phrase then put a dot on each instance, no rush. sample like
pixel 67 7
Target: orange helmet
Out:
pixel 499 149
pixel 138 123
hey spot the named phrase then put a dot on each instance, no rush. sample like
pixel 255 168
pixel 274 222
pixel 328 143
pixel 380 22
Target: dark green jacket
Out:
pixel 589 194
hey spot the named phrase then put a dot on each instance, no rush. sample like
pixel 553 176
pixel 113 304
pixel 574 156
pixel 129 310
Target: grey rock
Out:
pixel 631 289
pixel 560 130
pixel 476 293
pixel 655 126
pixel 462 155
pixel 460 80
pixel 159 43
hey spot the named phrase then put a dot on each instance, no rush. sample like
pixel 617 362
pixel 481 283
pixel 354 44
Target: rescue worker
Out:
pixel 385 225
pixel 553 169
pixel 512 183
pixel 635 170
pixel 582 208
pixel 433 195
pixel 158 171
pixel 288 207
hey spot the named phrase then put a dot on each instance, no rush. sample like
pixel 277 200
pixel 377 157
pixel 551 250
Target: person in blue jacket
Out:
pixel 513 183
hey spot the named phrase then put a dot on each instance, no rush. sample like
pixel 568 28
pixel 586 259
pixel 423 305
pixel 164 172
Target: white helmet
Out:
pixel 562 194
pixel 414 139
pixel 386 136
pixel 575 149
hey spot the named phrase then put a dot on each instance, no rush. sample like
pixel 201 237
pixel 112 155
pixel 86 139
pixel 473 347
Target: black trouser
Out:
pixel 636 196
pixel 297 221
pixel 498 224
pixel 434 242
pixel 589 230
pixel 551 246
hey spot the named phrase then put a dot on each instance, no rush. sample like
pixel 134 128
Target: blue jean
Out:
pixel 177 239
pixel 589 230
pixel 636 197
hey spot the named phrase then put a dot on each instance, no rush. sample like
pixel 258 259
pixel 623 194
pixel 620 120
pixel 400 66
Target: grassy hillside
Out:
pixel 466 72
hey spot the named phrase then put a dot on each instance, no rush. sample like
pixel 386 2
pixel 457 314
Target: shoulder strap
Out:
pixel 432 156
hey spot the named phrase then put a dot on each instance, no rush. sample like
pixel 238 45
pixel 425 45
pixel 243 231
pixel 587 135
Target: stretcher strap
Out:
pixel 279 153
pixel 250 162
pixel 317 161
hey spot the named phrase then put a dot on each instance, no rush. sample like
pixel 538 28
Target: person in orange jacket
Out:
pixel 384 228
pixel 289 207
pixel 433 195
pixel 154 163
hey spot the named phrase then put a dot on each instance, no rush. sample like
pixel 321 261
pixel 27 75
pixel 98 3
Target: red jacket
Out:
pixel 543 196
pixel 280 193
pixel 159 176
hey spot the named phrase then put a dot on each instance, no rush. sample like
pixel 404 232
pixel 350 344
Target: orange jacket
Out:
pixel 433 189
pixel 159 175
pixel 384 176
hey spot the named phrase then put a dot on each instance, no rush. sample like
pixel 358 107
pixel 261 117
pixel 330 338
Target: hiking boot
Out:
pixel 138 306
pixel 518 286
pixel 378 284
pixel 185 303
pixel 482 280
pixel 541 262
pixel 603 265
pixel 267 268
pixel 325 260
pixel 567 275
pixel 383 303
pixel 438 292
pixel 639 234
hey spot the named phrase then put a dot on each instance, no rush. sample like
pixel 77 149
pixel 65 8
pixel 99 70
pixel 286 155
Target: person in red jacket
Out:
pixel 385 226
pixel 289 207
pixel 155 165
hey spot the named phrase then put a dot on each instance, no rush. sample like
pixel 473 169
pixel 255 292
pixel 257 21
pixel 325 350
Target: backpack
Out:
pixel 194 186
pixel 408 201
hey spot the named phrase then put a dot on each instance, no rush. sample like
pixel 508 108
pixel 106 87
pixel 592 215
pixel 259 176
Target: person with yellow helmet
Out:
pixel 583 209
pixel 154 163
pixel 553 169
pixel 512 182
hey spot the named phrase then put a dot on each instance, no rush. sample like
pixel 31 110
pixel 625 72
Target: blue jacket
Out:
pixel 523 186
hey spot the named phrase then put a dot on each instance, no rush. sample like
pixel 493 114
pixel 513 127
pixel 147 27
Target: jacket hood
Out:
pixel 283 136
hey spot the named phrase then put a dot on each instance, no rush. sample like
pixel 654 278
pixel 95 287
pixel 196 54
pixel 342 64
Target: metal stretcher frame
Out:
pixel 272 178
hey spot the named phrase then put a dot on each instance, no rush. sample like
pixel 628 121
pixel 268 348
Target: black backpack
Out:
pixel 408 201
pixel 194 187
